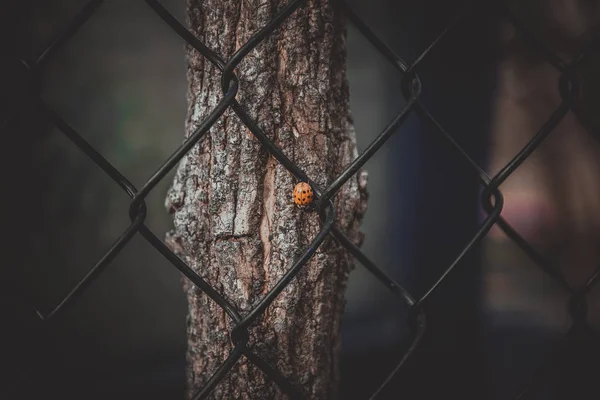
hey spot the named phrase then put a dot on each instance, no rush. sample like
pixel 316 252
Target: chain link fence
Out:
pixel 491 200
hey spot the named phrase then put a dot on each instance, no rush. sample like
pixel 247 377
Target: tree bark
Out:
pixel 235 222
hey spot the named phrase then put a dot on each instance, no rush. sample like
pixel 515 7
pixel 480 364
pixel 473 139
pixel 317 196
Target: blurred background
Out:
pixel 121 83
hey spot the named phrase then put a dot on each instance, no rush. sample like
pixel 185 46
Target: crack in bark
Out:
pixel 265 224
pixel 235 222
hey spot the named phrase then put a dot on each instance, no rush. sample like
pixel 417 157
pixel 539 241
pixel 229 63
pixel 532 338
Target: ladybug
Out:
pixel 303 194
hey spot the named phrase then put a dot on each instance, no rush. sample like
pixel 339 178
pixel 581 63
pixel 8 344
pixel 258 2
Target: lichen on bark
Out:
pixel 235 223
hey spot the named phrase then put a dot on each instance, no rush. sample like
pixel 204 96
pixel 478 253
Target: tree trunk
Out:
pixel 235 222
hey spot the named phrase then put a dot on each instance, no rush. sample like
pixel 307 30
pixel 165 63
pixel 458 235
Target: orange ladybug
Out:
pixel 303 194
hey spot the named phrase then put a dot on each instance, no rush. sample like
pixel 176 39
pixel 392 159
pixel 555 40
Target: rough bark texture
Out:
pixel 235 222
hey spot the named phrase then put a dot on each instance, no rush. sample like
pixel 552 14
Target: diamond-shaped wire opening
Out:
pixel 118 245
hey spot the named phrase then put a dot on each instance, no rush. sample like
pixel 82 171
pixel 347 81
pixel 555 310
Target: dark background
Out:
pixel 120 82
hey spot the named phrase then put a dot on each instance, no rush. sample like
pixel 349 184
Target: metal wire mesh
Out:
pixel 492 199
